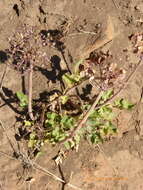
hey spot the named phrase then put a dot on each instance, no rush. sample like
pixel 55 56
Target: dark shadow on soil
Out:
pixel 24 90
pixel 86 91
pixel 45 95
pixel 22 134
pixel 54 38
pixel 3 56
pixel 56 72
pixel 66 62
pixel 9 97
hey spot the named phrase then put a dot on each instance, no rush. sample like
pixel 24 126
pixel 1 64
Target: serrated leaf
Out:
pixel 62 137
pixel 52 119
pixel 94 114
pixel 55 132
pixel 52 115
pixel 92 123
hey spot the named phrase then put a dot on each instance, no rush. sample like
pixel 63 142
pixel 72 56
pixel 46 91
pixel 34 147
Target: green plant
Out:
pixel 71 79
pixel 123 104
pixel 57 126
pixel 23 99
pixel 99 126
pixel 60 126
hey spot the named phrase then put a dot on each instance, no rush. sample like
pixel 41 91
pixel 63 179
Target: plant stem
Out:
pixel 30 92
pixel 87 114
pixel 84 119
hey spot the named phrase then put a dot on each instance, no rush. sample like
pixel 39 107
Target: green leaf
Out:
pixel 77 138
pixel 22 98
pixel 39 154
pixel 106 112
pixel 123 104
pixel 32 136
pixel 67 145
pixel 71 79
pixel 56 132
pixel 52 119
pixel 67 122
pixel 92 123
pixel 32 140
pixel 32 143
pixel 95 138
pixel 27 123
pixel 64 99
pixel 52 116
pixel 108 129
pixel 72 143
pixel 107 94
pixel 95 114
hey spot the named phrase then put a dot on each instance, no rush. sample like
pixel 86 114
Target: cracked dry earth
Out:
pixel 115 165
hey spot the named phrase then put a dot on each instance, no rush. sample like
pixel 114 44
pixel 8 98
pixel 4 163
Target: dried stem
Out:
pixel 3 76
pixel 30 92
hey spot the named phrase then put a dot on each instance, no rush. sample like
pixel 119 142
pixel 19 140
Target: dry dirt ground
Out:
pixel 115 165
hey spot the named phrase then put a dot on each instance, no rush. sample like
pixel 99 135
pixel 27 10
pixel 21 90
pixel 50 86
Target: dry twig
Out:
pixel 30 92
pixel 3 76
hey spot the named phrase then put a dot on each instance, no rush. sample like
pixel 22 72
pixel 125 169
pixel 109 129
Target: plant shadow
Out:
pixel 3 56
pixel 56 72
pixel 9 98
